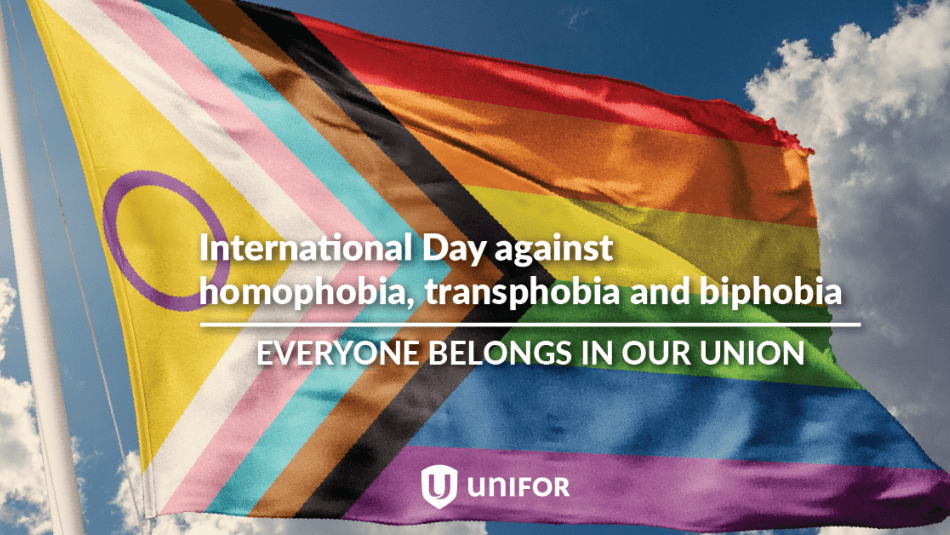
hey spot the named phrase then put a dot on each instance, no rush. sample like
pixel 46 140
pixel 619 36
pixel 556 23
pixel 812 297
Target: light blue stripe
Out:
pixel 324 387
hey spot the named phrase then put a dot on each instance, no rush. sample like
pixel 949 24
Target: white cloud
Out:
pixel 208 524
pixel 877 113
pixel 22 484
pixel 936 529
pixel 574 14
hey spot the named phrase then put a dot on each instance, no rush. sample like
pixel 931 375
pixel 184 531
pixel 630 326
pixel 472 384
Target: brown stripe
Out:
pixel 378 385
pixel 352 416
pixel 372 392
pixel 537 152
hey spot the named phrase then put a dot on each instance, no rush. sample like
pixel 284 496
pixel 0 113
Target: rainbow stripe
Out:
pixel 289 127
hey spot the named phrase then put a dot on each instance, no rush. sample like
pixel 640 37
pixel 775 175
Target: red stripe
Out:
pixel 401 65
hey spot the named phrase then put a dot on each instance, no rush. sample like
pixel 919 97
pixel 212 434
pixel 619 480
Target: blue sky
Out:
pixel 874 104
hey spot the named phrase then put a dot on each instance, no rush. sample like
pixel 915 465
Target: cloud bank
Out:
pixel 877 113
pixel 22 484
pixel 936 529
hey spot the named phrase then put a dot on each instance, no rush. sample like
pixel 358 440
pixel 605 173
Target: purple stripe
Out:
pixel 708 495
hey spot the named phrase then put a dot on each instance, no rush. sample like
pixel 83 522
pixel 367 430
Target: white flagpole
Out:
pixel 40 349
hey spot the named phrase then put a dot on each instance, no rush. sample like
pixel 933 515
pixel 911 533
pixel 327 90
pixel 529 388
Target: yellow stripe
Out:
pixel 657 246
pixel 118 131
pixel 636 259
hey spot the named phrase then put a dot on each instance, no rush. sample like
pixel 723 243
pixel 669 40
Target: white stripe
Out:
pixel 235 372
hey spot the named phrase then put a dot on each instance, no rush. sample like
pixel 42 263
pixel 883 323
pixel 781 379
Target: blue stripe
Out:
pixel 324 386
pixel 297 421
pixel 586 410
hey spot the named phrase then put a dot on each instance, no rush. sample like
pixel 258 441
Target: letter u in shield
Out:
pixel 443 487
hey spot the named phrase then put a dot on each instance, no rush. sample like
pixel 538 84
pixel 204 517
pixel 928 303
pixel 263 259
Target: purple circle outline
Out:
pixel 136 179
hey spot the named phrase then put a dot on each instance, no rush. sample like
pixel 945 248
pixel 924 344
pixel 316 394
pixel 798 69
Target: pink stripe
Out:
pixel 279 162
pixel 273 388
pixel 259 406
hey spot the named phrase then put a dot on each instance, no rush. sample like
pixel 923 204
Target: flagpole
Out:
pixel 41 351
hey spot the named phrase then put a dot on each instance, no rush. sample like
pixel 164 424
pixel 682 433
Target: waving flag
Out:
pixel 234 120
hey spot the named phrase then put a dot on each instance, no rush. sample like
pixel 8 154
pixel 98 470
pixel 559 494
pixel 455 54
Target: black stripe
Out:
pixel 431 385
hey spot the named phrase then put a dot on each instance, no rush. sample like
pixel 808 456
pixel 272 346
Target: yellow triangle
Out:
pixel 118 131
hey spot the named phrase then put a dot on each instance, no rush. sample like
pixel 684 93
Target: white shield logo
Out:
pixel 443 487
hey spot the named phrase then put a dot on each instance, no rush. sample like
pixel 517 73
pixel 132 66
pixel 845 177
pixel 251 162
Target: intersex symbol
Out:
pixel 136 179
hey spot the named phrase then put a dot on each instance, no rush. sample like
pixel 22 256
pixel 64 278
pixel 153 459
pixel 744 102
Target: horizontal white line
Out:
pixel 266 325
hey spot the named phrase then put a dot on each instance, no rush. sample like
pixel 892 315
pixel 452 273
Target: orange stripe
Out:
pixel 378 385
pixel 537 152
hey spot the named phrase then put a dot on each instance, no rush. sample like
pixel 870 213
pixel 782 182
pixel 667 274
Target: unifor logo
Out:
pixel 439 485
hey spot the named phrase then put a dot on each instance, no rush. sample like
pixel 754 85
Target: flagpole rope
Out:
pixel 53 505
pixel 82 290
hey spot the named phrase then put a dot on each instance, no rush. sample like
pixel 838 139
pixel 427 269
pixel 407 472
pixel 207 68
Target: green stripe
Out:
pixel 722 246
pixel 820 368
